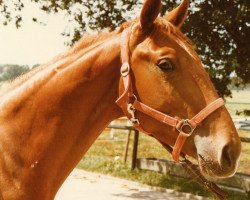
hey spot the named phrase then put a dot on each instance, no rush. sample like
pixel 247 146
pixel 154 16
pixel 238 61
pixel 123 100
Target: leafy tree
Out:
pixel 221 32
pixel 10 72
pixel 220 29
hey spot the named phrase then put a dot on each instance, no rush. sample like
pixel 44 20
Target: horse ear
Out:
pixel 179 14
pixel 150 11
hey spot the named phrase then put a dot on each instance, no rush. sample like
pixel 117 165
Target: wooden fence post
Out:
pixel 126 147
pixel 135 147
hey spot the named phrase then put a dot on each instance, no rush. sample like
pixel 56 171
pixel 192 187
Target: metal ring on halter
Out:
pixel 184 124
pixel 125 69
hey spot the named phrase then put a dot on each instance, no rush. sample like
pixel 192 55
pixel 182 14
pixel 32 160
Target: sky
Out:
pixel 32 43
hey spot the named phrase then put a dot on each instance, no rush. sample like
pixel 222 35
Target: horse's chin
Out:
pixel 212 170
pixel 218 157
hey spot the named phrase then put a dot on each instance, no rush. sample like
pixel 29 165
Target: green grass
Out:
pixel 105 157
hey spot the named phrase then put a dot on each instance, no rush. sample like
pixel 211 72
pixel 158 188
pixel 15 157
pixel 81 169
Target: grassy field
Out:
pixel 106 156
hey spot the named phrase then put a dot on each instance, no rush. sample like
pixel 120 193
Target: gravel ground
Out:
pixel 82 185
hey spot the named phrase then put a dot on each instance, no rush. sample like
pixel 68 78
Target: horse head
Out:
pixel 167 76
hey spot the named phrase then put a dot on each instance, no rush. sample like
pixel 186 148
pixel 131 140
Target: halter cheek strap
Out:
pixel 130 105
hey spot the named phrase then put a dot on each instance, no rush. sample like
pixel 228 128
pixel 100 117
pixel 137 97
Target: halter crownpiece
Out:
pixel 130 105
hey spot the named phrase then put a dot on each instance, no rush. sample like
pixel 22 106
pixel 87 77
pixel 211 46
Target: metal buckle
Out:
pixel 131 110
pixel 125 68
pixel 184 124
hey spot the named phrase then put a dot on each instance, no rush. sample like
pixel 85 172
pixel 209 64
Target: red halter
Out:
pixel 129 104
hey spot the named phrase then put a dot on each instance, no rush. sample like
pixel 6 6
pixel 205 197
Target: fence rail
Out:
pixel 239 182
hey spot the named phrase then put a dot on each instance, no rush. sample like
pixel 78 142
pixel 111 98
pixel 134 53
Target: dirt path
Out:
pixel 82 185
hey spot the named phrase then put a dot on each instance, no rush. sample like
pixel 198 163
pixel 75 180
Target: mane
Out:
pixel 84 42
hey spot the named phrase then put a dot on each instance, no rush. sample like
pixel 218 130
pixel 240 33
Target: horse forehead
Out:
pixel 171 46
pixel 166 35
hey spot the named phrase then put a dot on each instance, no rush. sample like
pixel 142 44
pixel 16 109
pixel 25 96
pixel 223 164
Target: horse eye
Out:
pixel 165 64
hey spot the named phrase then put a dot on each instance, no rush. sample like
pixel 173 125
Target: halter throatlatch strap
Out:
pixel 124 99
pixel 130 105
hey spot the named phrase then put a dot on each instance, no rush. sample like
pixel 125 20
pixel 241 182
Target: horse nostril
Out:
pixel 226 159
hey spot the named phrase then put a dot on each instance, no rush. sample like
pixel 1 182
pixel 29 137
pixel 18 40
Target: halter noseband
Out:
pixel 130 104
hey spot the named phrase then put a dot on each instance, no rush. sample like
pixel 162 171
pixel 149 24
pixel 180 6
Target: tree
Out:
pixel 10 72
pixel 220 30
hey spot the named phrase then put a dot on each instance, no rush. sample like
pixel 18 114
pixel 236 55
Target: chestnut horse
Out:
pixel 50 117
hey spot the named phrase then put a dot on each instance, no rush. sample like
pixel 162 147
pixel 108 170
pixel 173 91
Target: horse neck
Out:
pixel 54 117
